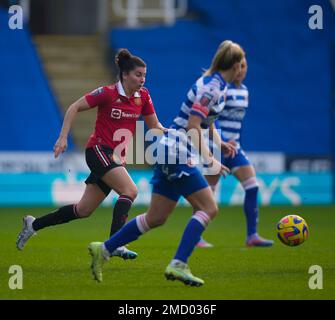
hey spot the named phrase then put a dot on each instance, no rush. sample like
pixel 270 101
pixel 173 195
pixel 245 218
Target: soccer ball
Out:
pixel 292 230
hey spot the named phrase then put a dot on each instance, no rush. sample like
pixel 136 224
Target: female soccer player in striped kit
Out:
pixel 230 125
pixel 119 106
pixel 202 106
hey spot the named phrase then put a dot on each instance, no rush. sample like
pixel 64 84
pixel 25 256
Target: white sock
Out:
pixel 105 252
pixel 176 261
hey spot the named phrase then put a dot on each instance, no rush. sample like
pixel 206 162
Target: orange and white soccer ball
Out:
pixel 292 230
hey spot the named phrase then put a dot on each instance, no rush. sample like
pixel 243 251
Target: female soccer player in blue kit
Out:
pixel 203 104
pixel 230 125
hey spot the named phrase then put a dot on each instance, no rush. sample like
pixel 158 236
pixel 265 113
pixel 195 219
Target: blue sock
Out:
pixel 251 210
pixel 190 238
pixel 128 233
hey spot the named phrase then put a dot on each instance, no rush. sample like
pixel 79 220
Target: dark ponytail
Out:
pixel 126 62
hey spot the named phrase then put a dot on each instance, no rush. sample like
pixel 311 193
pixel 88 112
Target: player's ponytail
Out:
pixel 226 56
pixel 126 62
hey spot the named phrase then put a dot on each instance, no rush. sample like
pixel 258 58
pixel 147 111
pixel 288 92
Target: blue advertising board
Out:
pixel 53 189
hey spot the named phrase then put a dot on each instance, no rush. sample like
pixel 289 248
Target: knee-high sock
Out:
pixel 250 204
pixel 60 216
pixel 120 213
pixel 128 233
pixel 192 234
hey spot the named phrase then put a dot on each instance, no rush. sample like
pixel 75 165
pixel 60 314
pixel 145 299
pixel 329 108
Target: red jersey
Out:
pixel 116 111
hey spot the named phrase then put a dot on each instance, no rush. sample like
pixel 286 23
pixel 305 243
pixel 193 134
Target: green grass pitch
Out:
pixel 55 263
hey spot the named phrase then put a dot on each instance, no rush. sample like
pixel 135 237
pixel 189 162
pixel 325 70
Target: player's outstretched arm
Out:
pixel 61 143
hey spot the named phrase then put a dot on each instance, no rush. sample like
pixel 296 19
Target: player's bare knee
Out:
pixel 154 222
pixel 160 221
pixel 130 192
pixel 212 211
pixel 83 212
pixel 134 193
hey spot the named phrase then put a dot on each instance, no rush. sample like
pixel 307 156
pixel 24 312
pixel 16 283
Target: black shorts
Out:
pixel 100 160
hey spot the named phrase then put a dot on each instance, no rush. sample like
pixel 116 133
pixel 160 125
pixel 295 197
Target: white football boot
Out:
pixel 124 253
pixel 26 232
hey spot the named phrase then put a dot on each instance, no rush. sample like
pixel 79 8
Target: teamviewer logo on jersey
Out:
pixel 116 113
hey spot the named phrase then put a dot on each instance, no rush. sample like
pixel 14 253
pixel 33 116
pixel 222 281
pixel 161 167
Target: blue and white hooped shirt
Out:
pixel 230 119
pixel 206 99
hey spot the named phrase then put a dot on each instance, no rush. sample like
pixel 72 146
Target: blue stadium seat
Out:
pixel 30 118
pixel 289 67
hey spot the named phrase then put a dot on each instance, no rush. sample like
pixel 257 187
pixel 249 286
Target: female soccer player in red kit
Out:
pixel 119 106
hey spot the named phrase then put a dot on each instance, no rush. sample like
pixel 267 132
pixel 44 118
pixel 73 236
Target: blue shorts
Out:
pixel 175 180
pixel 239 160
